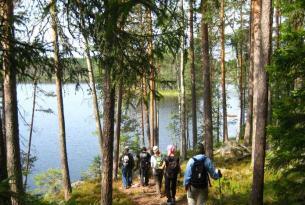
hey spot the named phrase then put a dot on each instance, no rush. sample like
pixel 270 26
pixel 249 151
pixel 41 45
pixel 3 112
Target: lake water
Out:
pixel 82 143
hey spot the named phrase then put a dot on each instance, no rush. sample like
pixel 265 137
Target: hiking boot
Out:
pixel 169 202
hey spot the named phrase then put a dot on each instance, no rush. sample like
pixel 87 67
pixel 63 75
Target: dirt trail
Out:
pixel 148 196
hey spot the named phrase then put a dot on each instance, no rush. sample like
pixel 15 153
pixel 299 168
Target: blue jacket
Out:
pixel 208 165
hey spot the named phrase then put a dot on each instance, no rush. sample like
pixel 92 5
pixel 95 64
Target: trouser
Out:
pixel 158 176
pixel 126 176
pixel 144 176
pixel 197 196
pixel 170 188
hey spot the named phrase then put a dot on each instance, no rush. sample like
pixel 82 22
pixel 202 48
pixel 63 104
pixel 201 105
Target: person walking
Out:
pixel 157 165
pixel 172 168
pixel 127 164
pixel 144 166
pixel 196 176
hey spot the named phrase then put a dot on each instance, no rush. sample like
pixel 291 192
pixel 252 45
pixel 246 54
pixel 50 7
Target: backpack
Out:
pixel 199 177
pixel 125 160
pixel 172 167
pixel 144 160
pixel 159 162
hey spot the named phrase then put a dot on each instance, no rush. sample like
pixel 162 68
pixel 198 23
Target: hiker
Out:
pixel 127 164
pixel 172 168
pixel 157 165
pixel 196 176
pixel 144 166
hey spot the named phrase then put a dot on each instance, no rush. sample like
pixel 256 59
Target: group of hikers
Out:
pixel 196 176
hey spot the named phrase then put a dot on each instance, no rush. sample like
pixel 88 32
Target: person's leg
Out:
pixel 191 196
pixel 129 177
pixel 173 188
pixel 167 189
pixel 142 176
pixel 161 180
pixel 124 178
pixel 202 196
pixel 157 181
pixel 146 175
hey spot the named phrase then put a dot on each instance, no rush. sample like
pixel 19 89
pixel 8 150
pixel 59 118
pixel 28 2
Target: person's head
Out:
pixel 143 149
pixel 200 148
pixel 156 149
pixel 171 150
pixel 126 149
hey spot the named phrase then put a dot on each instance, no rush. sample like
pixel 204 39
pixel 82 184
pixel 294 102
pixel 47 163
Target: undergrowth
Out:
pixel 234 188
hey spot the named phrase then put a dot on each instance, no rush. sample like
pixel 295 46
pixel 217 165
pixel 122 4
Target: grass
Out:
pixel 169 93
pixel 235 187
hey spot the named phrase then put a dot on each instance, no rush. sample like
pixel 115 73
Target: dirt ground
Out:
pixel 148 196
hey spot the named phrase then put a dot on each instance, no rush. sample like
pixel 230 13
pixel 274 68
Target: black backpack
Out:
pixel 172 167
pixel 144 160
pixel 199 177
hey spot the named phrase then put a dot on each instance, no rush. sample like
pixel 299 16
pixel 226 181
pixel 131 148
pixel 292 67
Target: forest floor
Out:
pixel 147 195
pixel 233 189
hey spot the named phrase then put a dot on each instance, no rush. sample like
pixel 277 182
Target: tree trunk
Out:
pixel 157 126
pixel 241 79
pixel 223 74
pixel 182 96
pixel 218 119
pixel 3 170
pixel 10 104
pixel 60 107
pixel 193 79
pixel 142 118
pixel 108 132
pixel 30 136
pixel 152 83
pixel 207 96
pixel 91 76
pixel 248 128
pixel 117 132
pixel 262 22
pixel 96 111
pixel 146 113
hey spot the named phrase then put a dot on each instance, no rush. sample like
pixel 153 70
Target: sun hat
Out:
pixel 155 148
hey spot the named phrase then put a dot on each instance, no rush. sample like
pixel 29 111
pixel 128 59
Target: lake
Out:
pixel 82 143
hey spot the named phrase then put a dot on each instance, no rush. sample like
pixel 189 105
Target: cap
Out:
pixel 155 148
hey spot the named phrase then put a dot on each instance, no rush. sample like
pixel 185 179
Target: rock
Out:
pixel 233 150
pixel 77 184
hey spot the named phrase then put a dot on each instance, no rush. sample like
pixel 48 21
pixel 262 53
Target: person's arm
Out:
pixel 188 174
pixel 163 165
pixel 214 173
pixel 131 160
pixel 179 167
pixel 149 159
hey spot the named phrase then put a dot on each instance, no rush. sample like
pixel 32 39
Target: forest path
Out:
pixel 148 196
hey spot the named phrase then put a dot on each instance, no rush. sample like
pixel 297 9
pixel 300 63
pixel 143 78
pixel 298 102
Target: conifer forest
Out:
pixel 85 83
